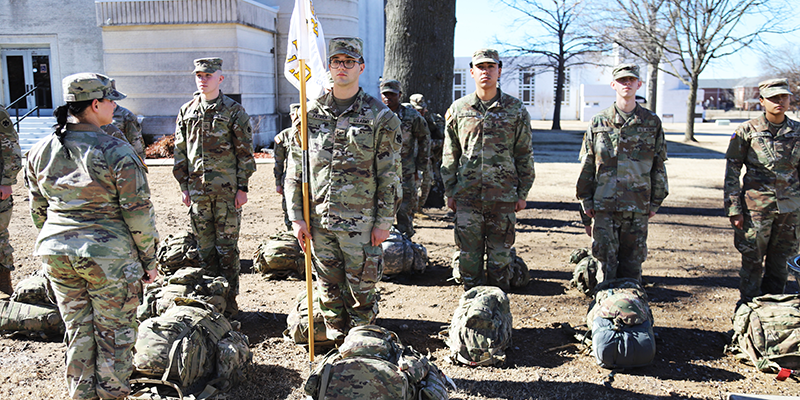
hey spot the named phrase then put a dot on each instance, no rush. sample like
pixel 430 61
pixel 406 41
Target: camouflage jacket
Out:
pixel 282 143
pixel 771 182
pixel 354 164
pixel 623 163
pixel 487 157
pixel 94 202
pixel 10 153
pixel 213 147
pixel 436 126
pixel 127 122
pixel 416 140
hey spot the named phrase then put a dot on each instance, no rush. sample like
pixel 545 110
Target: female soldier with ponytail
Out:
pixel 91 202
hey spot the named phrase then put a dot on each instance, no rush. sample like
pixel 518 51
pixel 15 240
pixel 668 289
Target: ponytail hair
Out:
pixel 62 114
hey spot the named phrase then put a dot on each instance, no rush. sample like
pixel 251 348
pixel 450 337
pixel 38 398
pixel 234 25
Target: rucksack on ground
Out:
pixel 280 257
pixel 372 364
pixel 31 319
pixel 621 325
pixel 297 322
pixel 177 251
pixel 189 282
pixel 35 289
pixel 401 255
pixel 520 274
pixel 480 330
pixel 194 347
pixel 584 276
pixel 766 332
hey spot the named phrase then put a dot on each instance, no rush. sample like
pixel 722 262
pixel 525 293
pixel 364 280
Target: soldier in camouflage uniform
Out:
pixel 213 164
pixel 127 128
pixel 487 169
pixel 414 153
pixel 354 171
pixel 765 210
pixel 623 180
pixel 90 200
pixel 282 142
pixel 11 162
pixel 432 175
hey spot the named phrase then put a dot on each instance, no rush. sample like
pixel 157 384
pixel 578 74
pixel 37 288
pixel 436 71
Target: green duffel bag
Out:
pixel 297 322
pixel 31 319
pixel 766 332
pixel 480 330
pixel 177 251
pixel 280 257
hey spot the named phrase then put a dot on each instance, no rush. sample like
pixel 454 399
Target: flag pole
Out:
pixel 306 213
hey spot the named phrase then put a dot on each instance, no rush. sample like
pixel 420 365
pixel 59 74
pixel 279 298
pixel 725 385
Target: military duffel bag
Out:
pixel 401 255
pixel 584 276
pixel 297 322
pixel 177 251
pixel 766 332
pixel 35 289
pixel 31 319
pixel 372 364
pixel 280 258
pixel 480 330
pixel 621 325
pixel 190 282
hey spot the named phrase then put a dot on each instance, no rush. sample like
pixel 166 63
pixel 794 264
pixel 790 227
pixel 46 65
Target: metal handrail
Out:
pixel 16 109
pixel 21 97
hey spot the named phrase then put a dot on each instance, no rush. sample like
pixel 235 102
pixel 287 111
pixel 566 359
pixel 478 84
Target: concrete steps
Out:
pixel 32 129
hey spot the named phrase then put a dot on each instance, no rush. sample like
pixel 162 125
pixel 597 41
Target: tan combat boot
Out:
pixel 5 281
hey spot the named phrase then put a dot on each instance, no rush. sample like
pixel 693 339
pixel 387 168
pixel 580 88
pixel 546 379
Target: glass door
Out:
pixel 24 70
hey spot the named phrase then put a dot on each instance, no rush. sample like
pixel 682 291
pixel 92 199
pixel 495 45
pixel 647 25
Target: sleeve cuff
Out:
pixel 587 204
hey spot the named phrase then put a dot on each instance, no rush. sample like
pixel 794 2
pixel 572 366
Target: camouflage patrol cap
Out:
pixel 623 70
pixel 773 87
pixel 418 101
pixel 390 85
pixel 209 65
pixel 89 86
pixel 484 56
pixel 350 46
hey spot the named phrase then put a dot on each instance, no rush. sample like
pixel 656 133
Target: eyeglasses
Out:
pixel 348 64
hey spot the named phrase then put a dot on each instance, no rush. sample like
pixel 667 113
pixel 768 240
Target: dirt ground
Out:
pixel 691 270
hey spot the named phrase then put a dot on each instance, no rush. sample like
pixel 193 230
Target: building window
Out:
pixel 564 91
pixel 459 84
pixel 527 87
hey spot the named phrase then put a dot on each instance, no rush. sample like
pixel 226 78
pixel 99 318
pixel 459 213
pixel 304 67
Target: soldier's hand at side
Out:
pixel 241 199
pixel 652 214
pixel 521 204
pixel 378 236
pixel 150 276
pixel 737 221
pixel 300 230
pixel 187 201
pixel 5 191
pixel 589 212
pixel 451 204
pixel 588 229
pixel 279 189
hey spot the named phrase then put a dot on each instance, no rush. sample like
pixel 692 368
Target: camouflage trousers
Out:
pixel 619 242
pixel 767 236
pixel 6 251
pixel 216 222
pixel 286 221
pixel 97 298
pixel 405 213
pixel 347 267
pixel 485 229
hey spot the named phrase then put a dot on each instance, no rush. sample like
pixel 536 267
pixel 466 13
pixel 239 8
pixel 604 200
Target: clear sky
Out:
pixel 479 21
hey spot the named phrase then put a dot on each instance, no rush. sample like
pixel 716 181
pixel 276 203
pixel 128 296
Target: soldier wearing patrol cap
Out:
pixel 765 210
pixel 354 145
pixel 414 154
pixel 90 200
pixel 213 164
pixel 487 169
pixel 10 164
pixel 623 180
pixel 432 176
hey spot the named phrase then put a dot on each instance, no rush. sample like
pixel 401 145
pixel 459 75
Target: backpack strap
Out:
pixel 173 352
pixel 326 376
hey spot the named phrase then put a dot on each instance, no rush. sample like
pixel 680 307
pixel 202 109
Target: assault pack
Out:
pixel 32 310
pixel 584 277
pixel 372 364
pixel 297 322
pixel 280 257
pixel 186 282
pixel 520 275
pixel 177 251
pixel 192 348
pixel 621 325
pixel 401 255
pixel 480 330
pixel 766 332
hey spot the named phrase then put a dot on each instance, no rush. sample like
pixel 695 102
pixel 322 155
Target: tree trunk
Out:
pixel 419 49
pixel 689 135
pixel 652 86
pixel 558 98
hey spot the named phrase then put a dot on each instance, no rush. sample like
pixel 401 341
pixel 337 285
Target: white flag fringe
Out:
pixel 306 41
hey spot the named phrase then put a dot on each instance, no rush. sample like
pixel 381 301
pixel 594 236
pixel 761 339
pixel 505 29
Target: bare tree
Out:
pixel 419 49
pixel 565 45
pixel 708 29
pixel 640 27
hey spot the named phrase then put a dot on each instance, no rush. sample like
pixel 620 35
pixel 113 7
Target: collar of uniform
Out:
pixel 762 125
pixel 475 101
pixel 636 117
pixel 82 127
pixel 329 104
